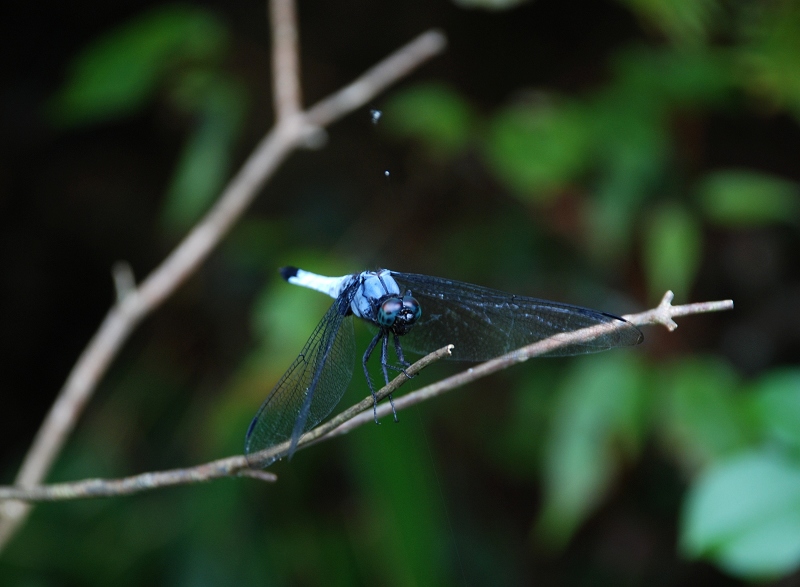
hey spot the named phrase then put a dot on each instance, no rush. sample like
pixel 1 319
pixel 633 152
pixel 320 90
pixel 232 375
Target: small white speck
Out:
pixel 376 115
pixel 386 173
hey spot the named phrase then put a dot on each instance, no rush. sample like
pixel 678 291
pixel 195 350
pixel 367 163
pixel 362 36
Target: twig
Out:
pixel 128 485
pixel 376 79
pixel 662 314
pixel 227 467
pixel 665 311
pixel 353 417
pixel 285 59
pixel 289 133
pixel 314 435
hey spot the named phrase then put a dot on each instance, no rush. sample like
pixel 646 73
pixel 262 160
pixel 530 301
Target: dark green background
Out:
pixel 597 153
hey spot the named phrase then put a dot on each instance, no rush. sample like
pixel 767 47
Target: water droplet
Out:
pixel 376 115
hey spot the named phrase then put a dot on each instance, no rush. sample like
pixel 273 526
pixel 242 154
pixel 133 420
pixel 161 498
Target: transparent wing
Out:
pixel 310 389
pixel 484 323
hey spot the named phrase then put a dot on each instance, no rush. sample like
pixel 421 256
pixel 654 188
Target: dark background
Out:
pixel 465 489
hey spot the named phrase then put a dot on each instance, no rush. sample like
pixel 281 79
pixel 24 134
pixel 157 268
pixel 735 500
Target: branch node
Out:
pixel 124 280
pixel 313 137
pixel 11 509
pixel 134 303
pixel 664 311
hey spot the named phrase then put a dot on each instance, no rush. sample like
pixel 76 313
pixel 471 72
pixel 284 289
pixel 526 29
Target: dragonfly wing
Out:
pixel 483 323
pixel 310 388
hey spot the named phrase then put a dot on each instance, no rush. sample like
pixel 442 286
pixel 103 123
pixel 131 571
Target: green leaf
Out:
pixel 776 398
pixel 284 315
pixel 747 198
pixel 538 149
pixel 772 57
pixel 650 82
pixel 520 445
pixel 630 142
pixel 119 72
pixel 686 22
pixel 744 514
pixel 702 418
pixel 392 467
pixel 598 420
pixel 205 163
pixel 672 248
pixel 434 114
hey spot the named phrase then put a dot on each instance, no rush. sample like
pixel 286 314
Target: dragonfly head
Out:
pixel 399 314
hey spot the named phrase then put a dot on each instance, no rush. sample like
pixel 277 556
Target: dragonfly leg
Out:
pixel 384 358
pixel 384 365
pixel 401 359
pixel 399 350
pixel 367 354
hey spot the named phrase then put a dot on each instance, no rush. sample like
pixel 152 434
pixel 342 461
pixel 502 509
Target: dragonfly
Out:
pixel 420 314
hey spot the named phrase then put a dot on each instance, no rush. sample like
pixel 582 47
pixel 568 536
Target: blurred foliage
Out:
pixel 434 114
pixel 684 22
pixel 618 143
pixel 607 187
pixel 177 52
pixel 538 149
pixel 769 52
pixel 218 105
pixel 118 73
pixel 598 423
pixel 745 198
pixel 744 512
pixel 671 249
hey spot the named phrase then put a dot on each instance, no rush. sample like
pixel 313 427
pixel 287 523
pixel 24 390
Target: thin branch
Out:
pixel 125 315
pixel 354 416
pixel 379 77
pixel 662 314
pixel 87 488
pixel 285 59
pixel 312 436
pixel 227 467
pixel 665 312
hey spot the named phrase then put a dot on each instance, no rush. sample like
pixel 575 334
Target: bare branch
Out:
pixel 285 59
pixel 351 418
pixel 124 281
pixel 663 314
pixel 397 65
pixel 123 317
pixel 135 484
pixel 227 467
pixel 365 405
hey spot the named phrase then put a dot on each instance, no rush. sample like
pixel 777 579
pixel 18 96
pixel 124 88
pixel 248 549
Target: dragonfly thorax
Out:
pixel 379 300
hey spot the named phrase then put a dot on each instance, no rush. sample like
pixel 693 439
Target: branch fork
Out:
pixel 294 128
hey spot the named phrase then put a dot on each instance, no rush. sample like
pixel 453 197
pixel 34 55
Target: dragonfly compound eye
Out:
pixel 388 312
pixel 412 308
pixel 408 314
